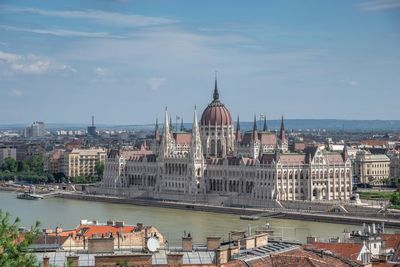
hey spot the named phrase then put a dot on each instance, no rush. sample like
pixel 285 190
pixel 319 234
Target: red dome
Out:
pixel 216 113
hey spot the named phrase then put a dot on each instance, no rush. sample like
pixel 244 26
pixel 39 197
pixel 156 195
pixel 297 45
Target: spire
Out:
pixel 216 94
pixel 265 128
pixel 196 148
pixel 282 134
pixel 156 131
pixel 238 124
pixel 195 129
pixel 171 125
pixel 165 148
pixel 238 135
pixel 166 124
pixel 255 124
pixel 255 135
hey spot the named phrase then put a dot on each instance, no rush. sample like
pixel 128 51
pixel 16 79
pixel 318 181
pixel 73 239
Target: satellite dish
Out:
pixel 153 244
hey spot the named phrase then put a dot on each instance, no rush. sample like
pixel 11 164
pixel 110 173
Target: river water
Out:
pixel 67 214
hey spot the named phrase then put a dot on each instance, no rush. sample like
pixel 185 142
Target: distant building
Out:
pixel 371 168
pixel 7 152
pixel 82 162
pixel 53 162
pixel 92 129
pixel 394 156
pixel 36 129
pixel 27 150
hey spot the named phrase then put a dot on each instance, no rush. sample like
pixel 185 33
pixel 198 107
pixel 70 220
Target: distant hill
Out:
pixel 295 124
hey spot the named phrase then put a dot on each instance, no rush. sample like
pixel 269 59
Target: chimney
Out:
pixel 311 239
pixel 187 243
pixel 46 261
pixel 383 257
pixel 73 261
pixel 221 256
pixel 213 242
pixel 175 259
pixel 261 240
pixel 119 224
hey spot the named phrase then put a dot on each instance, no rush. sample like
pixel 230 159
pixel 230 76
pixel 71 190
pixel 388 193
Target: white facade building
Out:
pixel 216 163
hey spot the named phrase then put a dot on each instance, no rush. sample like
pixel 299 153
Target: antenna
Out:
pixel 153 244
pixel 92 120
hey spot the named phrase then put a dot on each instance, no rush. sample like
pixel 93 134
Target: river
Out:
pixel 67 214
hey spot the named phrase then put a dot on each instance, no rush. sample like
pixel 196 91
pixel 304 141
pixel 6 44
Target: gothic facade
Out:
pixel 216 161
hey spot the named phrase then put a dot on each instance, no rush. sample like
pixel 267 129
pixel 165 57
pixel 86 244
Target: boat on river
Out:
pixel 29 196
pixel 249 217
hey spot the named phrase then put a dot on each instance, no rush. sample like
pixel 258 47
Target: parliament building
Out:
pixel 217 163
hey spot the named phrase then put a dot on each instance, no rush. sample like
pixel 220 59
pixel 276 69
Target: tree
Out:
pixel 60 177
pixel 395 198
pixel 99 168
pixel 14 245
pixel 23 166
pixel 9 164
pixel 36 164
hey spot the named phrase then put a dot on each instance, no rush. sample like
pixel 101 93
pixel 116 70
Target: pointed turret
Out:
pixel 254 134
pixel 156 131
pixel 238 135
pixel 196 148
pixel 166 129
pixel 265 128
pixel 216 94
pixel 165 140
pixel 282 134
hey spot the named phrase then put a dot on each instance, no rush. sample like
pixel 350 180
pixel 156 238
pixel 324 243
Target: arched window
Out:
pixel 219 148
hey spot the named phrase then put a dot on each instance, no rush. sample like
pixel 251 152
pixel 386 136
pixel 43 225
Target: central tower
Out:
pixel 216 128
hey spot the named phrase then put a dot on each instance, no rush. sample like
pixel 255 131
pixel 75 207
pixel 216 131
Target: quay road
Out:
pixel 342 218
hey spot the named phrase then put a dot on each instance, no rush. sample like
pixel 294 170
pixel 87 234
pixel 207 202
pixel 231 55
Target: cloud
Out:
pixel 350 82
pixel 15 92
pixel 30 64
pixel 61 32
pixel 109 18
pixel 155 83
pixel 377 5
pixel 102 71
pixel 353 83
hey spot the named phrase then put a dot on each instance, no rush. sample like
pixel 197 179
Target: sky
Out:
pixel 125 61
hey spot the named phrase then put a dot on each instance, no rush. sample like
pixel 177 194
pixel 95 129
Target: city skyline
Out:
pixel 125 60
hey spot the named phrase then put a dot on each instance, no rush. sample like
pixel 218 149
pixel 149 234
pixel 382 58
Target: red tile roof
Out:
pixel 373 142
pixel 268 138
pixel 292 158
pixel 88 230
pixel 392 240
pixel 347 250
pixel 183 138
